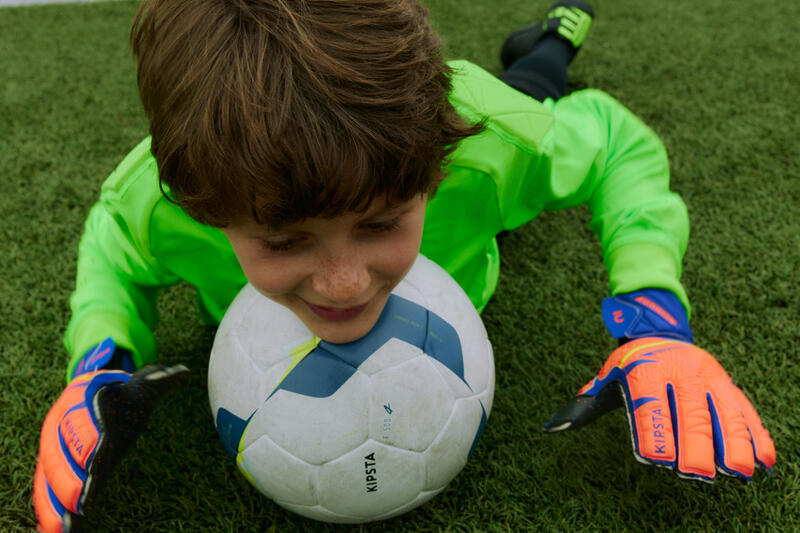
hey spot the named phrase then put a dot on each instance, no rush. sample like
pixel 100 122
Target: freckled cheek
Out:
pixel 272 279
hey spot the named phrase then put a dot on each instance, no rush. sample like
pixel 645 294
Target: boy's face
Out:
pixel 334 274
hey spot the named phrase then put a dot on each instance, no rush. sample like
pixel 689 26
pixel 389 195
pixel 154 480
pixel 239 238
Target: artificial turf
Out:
pixel 717 80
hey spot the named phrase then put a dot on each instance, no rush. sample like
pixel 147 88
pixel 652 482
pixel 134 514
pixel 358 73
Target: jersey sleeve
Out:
pixel 605 157
pixel 584 149
pixel 118 279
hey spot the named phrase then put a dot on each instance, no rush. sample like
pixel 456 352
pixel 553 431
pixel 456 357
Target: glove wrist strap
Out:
pixel 646 313
pixel 105 355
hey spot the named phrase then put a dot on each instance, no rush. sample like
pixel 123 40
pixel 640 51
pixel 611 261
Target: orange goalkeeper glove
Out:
pixel 683 409
pixel 87 432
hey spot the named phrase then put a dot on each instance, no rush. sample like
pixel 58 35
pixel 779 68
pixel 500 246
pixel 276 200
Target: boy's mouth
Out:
pixel 335 314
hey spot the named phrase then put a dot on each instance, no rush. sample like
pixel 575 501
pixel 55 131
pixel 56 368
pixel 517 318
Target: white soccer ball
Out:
pixel 360 431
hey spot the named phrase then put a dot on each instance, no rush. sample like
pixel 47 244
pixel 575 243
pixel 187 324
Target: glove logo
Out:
pixel 659 438
pixel 657 309
pixel 73 439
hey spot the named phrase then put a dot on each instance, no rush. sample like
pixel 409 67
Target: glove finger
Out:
pixel 583 409
pixel 64 435
pixel 648 407
pixel 693 430
pixel 150 383
pixel 650 423
pixel 672 422
pixel 49 511
pixel 733 449
pixel 763 446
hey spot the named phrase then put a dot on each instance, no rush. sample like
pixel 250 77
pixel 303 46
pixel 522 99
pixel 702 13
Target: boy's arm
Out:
pixel 97 417
pixel 604 156
pixel 684 410
pixel 118 279
pixel 584 149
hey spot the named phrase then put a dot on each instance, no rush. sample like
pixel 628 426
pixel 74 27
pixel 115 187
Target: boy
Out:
pixel 303 147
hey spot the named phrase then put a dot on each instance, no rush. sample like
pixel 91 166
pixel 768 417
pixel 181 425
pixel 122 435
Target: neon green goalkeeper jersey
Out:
pixel 585 148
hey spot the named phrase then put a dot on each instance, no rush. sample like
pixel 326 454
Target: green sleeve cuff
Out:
pixel 97 326
pixel 642 265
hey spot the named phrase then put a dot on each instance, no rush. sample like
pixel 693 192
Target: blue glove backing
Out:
pixel 646 313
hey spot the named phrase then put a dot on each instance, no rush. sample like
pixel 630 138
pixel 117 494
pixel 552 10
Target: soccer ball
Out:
pixel 360 431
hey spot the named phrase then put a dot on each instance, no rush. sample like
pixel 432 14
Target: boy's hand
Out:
pixel 87 432
pixel 683 408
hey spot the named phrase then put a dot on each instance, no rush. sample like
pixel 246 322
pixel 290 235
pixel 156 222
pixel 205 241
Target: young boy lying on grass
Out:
pixel 314 148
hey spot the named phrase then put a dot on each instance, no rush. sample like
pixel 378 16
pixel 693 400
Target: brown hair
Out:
pixel 280 110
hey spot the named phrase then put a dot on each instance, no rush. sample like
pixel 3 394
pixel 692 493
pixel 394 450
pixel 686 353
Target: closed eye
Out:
pixel 283 245
pixel 383 226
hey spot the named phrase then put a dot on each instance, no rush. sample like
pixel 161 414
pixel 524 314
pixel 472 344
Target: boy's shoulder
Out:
pixel 513 116
pixel 134 177
pixel 133 197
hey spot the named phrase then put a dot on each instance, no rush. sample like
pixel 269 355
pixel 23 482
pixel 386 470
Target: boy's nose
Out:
pixel 342 281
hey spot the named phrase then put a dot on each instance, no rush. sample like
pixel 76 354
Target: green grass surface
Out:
pixel 717 80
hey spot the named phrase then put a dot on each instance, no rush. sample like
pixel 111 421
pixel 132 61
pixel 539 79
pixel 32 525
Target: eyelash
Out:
pixel 374 227
pixel 283 246
pixel 382 227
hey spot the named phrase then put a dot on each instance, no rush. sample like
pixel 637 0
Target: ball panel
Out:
pixel 266 343
pixel 426 279
pixel 315 430
pixel 411 286
pixel 317 512
pixel 421 498
pixel 235 382
pixel 449 452
pixel 371 480
pixel 457 386
pixel 319 374
pixel 279 474
pixel 410 404
pixel 393 353
pixel 473 337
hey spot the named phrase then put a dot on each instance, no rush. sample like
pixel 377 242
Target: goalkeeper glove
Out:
pixel 684 411
pixel 89 429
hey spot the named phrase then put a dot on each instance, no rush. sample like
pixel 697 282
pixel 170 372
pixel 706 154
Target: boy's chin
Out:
pixel 342 333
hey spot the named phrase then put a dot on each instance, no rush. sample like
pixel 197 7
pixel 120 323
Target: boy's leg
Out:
pixel 537 56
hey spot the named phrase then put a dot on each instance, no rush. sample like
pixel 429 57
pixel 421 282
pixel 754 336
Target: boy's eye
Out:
pixel 281 245
pixel 383 226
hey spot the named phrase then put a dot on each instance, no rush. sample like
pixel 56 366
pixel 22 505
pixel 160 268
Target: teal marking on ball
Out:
pixel 326 368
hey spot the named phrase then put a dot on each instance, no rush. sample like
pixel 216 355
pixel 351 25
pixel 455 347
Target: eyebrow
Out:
pixel 396 211
pixel 389 211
